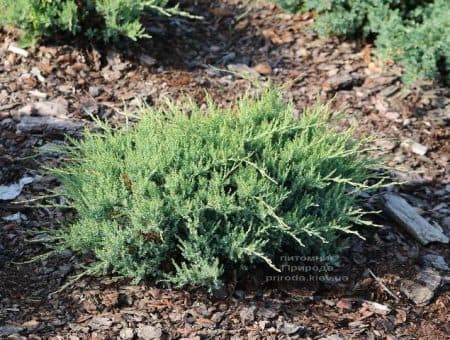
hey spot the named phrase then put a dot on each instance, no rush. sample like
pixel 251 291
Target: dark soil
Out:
pixel 187 57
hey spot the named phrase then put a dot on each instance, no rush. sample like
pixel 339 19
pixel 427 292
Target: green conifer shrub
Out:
pixel 415 33
pixel 104 20
pixel 184 196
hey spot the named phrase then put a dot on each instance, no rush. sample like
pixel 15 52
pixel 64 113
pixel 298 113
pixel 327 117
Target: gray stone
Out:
pixel 407 217
pixel 435 261
pixel 147 332
pixel 126 333
pixel 11 191
pixel 423 289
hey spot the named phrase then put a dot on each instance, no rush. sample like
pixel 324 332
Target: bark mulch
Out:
pixel 53 90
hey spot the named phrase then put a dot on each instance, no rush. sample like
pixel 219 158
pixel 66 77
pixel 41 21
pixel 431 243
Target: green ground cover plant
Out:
pixel 184 196
pixel 103 20
pixel 414 33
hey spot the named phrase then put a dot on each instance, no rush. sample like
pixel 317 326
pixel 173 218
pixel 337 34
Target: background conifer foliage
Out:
pixel 104 20
pixel 414 33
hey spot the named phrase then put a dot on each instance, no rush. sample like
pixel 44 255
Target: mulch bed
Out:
pixel 185 57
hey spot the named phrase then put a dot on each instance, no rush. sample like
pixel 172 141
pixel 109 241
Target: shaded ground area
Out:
pixel 189 57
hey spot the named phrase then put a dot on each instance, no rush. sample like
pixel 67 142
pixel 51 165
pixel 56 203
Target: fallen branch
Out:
pixel 386 289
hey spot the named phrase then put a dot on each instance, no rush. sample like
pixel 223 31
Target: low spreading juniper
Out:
pixel 184 196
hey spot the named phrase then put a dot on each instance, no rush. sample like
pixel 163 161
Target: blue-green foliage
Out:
pixel 414 33
pixel 105 20
pixel 184 196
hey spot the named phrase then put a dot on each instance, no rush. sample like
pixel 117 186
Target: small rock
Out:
pixel 94 91
pixel 126 333
pixel 148 332
pixel 263 68
pixel 435 261
pixel 414 147
pixel 11 191
pixel 422 290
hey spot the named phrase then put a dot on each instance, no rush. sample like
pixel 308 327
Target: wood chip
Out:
pixel 19 51
pixel 263 68
pixel 377 308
